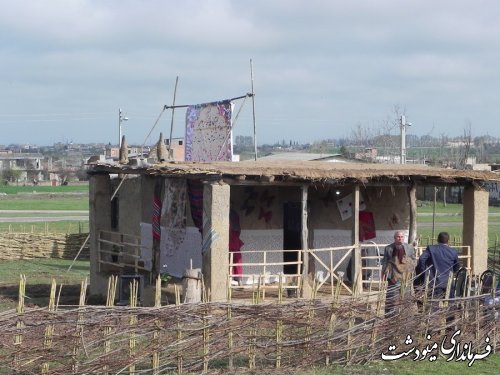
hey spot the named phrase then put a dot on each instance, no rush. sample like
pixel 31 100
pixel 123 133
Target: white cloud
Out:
pixel 320 66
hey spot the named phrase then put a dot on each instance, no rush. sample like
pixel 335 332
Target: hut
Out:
pixel 306 222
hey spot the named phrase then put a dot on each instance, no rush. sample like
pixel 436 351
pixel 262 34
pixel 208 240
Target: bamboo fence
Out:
pixel 238 336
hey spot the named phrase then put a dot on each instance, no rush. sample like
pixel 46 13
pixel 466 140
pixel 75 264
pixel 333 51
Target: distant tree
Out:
pixel 11 175
pixel 82 175
pixel 343 151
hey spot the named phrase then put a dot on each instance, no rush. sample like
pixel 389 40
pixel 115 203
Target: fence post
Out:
pixel 156 332
pixel 110 301
pixel 49 329
pixel 18 338
pixel 79 325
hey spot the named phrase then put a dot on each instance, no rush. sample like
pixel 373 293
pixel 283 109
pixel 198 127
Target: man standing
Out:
pixel 398 264
pixel 440 260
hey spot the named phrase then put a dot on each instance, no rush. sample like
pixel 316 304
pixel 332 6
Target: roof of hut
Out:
pixel 303 171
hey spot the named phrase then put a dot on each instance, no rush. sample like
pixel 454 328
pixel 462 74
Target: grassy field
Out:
pixel 39 274
pixel 490 365
pixel 68 227
pixel 78 202
pixel 44 189
pixel 41 271
pixel 450 208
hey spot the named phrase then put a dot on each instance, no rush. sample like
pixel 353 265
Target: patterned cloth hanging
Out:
pixel 195 194
pixel 208 132
pixel 155 221
pixel 173 213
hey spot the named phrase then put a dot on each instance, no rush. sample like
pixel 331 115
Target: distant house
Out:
pixel 294 218
pixel 29 165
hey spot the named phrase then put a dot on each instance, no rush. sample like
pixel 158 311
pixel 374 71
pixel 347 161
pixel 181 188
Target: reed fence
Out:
pixel 211 337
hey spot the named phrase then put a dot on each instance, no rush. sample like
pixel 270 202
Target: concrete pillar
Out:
pixel 99 219
pixel 215 243
pixel 475 226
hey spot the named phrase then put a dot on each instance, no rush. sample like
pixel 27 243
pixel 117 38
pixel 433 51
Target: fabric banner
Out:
pixel 188 253
pixel 366 226
pixel 173 212
pixel 156 218
pixel 235 243
pixel 174 264
pixel 345 206
pixel 208 132
pixel 195 194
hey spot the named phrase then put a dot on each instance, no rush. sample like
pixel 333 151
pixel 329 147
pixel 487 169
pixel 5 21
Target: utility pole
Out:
pixel 253 112
pixel 403 124
pixel 120 119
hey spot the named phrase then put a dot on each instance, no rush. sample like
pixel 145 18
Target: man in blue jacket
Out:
pixel 440 260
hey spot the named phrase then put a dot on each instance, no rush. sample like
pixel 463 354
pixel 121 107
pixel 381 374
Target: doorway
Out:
pixel 292 236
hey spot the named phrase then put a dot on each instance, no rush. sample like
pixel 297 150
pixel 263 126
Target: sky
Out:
pixel 321 69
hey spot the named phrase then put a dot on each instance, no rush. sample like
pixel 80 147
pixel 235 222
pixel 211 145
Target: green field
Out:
pixel 487 366
pixel 56 203
pixel 68 227
pixel 449 208
pixel 83 188
pixel 41 271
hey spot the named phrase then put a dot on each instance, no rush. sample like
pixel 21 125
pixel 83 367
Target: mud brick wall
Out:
pixel 42 245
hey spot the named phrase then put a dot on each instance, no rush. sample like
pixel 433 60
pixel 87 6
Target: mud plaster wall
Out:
pixel 262 207
pixel 129 211
pixel 390 207
pixel 261 215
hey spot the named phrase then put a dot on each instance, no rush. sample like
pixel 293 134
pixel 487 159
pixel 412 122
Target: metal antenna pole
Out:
pixel 119 127
pixel 170 153
pixel 253 112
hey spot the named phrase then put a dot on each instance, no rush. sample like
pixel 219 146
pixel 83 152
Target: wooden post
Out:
pixel 192 285
pixel 356 269
pixel 18 338
pixel 434 216
pixel 170 155
pixel 156 333
pixel 79 325
pixel 412 195
pixel 307 261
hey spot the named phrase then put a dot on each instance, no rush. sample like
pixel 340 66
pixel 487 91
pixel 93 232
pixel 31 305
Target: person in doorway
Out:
pixel 439 260
pixel 398 265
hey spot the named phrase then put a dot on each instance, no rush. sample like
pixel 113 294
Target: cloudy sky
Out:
pixel 321 68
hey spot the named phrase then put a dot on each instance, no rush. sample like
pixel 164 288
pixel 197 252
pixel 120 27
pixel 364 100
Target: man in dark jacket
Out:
pixel 440 260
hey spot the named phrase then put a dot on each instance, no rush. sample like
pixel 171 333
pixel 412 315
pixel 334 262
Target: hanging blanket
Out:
pixel 208 132
pixel 173 213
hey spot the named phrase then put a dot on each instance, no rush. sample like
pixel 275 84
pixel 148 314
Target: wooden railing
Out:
pixel 331 267
pixel 262 273
pixel 120 250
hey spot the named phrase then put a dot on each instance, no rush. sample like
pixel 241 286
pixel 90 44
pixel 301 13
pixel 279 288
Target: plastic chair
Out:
pixel 486 280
